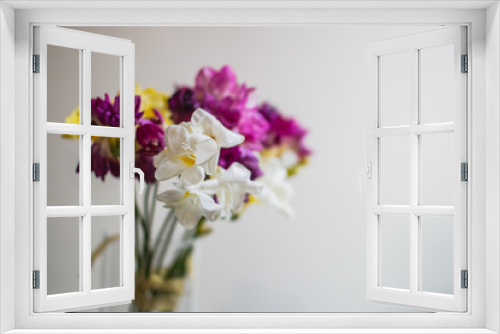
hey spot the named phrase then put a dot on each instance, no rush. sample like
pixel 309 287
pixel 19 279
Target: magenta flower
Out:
pixel 106 113
pixel 224 111
pixel 228 156
pixel 254 127
pixel 284 131
pixel 182 104
pixel 150 140
pixel 219 93
pixel 218 84
pixel 149 136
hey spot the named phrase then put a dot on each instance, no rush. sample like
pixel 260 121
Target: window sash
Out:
pixel 86 44
pixel 414 297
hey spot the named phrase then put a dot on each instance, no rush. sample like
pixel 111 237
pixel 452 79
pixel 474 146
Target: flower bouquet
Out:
pixel 217 150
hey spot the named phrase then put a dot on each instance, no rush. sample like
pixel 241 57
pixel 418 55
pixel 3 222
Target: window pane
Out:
pixel 394 90
pixel 105 80
pixel 395 170
pixel 106 257
pixel 436 242
pixel 63 178
pixel 436 84
pixel 394 248
pixel 105 163
pixel 63 255
pixel 63 84
pixel 437 169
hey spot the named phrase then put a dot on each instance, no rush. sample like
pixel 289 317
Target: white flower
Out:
pixel 208 125
pixel 277 190
pixel 184 150
pixel 188 200
pixel 231 186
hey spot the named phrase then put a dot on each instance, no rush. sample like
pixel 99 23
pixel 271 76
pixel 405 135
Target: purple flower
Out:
pixel 224 111
pixel 254 127
pixel 284 131
pixel 244 156
pixel 149 136
pixel 182 104
pixel 106 113
pixel 219 93
pixel 218 84
pixel 102 158
pixel 145 163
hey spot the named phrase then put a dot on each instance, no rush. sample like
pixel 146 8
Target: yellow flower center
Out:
pixel 189 160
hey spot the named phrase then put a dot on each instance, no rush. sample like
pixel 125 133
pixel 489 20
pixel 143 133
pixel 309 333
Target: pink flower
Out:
pixel 284 131
pixel 219 93
pixel 254 127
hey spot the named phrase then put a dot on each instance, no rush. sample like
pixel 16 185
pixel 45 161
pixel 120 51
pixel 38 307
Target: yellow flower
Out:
pixel 73 118
pixel 153 99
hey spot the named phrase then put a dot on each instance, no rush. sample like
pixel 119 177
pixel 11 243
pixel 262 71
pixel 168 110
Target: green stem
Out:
pixel 150 222
pixel 163 251
pixel 137 245
pixel 178 267
pixel 153 204
pixel 146 204
pixel 145 246
pixel 159 238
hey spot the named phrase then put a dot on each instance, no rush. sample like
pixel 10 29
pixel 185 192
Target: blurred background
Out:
pixel 264 262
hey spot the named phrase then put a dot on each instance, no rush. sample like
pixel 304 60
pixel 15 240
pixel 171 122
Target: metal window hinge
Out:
pixel 36 63
pixel 464 279
pixel 36 279
pixel 464 171
pixel 36 172
pixel 465 64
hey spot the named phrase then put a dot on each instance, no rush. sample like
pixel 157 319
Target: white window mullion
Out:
pixel 85 171
pixel 414 170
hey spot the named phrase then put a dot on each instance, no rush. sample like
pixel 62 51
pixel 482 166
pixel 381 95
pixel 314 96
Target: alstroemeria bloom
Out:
pixel 189 202
pixel 207 124
pixel 185 149
pixel 231 186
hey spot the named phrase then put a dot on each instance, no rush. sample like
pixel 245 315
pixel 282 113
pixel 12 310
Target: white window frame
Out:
pixel 483 21
pixel 415 210
pixel 86 44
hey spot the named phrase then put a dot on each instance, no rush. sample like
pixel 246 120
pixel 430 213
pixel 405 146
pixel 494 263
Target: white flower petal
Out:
pixel 204 148
pixel 192 176
pixel 172 197
pixel 157 160
pixel 175 137
pixel 236 173
pixel 212 127
pixel 210 209
pixel 228 138
pixel 211 165
pixel 188 215
pixel 170 167
pixel 209 187
pixel 238 200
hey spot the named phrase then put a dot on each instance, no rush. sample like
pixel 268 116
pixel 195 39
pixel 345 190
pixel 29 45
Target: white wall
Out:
pixel 7 167
pixel 266 262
